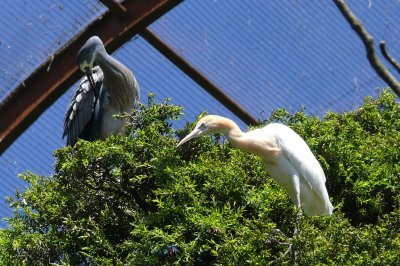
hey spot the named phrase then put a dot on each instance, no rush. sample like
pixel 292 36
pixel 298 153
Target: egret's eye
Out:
pixel 202 126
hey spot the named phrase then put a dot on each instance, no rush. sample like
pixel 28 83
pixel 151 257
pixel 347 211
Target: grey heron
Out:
pixel 109 88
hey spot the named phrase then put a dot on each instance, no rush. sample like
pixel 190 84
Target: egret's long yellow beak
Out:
pixel 194 134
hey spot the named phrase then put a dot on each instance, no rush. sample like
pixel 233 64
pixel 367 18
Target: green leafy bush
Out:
pixel 136 199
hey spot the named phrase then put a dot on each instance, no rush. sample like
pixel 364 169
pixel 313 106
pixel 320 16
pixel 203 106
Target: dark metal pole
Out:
pixel 115 7
pixel 198 77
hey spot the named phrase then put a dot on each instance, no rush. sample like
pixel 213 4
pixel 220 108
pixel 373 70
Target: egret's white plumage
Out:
pixel 286 156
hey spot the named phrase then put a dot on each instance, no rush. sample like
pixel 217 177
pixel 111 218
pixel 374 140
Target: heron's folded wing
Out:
pixel 80 109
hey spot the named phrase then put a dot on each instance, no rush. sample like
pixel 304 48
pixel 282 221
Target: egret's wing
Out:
pixel 300 156
pixel 81 107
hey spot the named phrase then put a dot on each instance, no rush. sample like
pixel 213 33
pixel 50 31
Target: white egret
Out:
pixel 286 156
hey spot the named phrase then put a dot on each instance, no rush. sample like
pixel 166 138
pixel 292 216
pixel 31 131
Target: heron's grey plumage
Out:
pixel 108 89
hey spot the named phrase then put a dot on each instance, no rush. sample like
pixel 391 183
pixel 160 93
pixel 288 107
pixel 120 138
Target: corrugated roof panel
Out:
pixel 31 31
pixel 270 54
pixel 157 74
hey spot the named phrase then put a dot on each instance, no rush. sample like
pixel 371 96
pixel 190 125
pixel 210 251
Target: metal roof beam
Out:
pixel 198 77
pixel 115 7
pixel 49 81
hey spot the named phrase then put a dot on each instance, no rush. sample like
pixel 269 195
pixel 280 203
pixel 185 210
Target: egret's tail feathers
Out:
pixel 318 208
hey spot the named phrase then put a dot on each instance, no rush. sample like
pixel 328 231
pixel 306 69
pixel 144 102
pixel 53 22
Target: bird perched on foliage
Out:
pixel 286 156
pixel 108 89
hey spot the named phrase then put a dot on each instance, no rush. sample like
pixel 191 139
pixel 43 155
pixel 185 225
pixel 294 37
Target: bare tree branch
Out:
pixel 368 41
pixel 388 57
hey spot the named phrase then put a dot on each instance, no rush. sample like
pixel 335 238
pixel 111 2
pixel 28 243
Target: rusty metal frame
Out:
pixel 49 81
pixel 115 7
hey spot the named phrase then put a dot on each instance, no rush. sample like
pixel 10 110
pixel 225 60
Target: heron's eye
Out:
pixel 202 126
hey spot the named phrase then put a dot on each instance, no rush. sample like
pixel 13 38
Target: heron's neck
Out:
pixel 107 63
pixel 118 80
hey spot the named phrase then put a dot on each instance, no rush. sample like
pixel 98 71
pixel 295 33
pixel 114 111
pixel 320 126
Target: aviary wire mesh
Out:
pixel 264 54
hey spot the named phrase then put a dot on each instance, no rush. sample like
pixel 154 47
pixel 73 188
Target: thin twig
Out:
pixel 289 248
pixel 51 61
pixel 281 257
pixel 388 57
pixel 368 41
pixel 287 251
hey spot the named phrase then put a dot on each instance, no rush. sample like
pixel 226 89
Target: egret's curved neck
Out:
pixel 248 141
pixel 235 136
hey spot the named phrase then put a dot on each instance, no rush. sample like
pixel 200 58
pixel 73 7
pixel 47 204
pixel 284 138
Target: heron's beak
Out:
pixel 90 77
pixel 194 134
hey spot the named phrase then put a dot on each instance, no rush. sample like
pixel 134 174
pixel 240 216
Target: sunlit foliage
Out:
pixel 136 199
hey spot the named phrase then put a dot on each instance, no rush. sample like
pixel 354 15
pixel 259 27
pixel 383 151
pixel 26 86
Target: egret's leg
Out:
pixel 296 189
pixel 299 215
